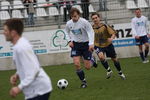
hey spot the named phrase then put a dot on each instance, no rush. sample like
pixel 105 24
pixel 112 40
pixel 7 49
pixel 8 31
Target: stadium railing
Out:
pixel 50 13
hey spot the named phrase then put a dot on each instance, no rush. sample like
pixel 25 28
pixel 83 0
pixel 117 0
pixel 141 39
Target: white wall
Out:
pixel 51 46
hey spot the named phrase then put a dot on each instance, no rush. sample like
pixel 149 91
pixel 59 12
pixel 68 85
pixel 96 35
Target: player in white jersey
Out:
pixel 80 35
pixel 34 82
pixel 140 27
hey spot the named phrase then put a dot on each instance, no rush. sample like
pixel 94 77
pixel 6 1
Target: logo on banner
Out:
pixel 123 32
pixel 59 39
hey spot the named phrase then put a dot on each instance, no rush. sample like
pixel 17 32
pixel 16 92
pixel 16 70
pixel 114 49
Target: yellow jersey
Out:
pixel 102 33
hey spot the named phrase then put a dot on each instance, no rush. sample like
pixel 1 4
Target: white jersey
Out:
pixel 140 26
pixel 33 79
pixel 80 31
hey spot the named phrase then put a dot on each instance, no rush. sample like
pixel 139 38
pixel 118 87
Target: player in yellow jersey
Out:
pixel 104 35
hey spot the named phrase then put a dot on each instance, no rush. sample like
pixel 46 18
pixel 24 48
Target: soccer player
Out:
pixel 104 36
pixel 140 31
pixel 81 40
pixel 34 82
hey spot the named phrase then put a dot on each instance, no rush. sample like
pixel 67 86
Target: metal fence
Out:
pixel 56 13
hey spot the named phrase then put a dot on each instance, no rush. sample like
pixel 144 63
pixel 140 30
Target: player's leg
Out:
pixel 140 47
pixel 118 67
pixel 87 64
pixel 76 55
pixel 101 56
pixel 146 44
pixel 80 71
pixel 77 65
pixel 146 51
pixel 89 59
pixel 110 52
pixel 86 54
pixel 141 53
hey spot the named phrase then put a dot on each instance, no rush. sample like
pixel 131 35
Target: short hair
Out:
pixel 15 24
pixel 95 13
pixel 73 10
pixel 137 9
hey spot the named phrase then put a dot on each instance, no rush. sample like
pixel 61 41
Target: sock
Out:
pixel 108 69
pixel 105 64
pixel 146 53
pixel 120 73
pixel 93 61
pixel 81 75
pixel 142 56
pixel 117 65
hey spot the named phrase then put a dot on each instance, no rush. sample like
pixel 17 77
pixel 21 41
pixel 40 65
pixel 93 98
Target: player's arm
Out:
pixel 68 37
pixel 30 67
pixel 90 33
pixel 148 27
pixel 134 29
pixel 112 32
pixel 15 90
pixel 13 79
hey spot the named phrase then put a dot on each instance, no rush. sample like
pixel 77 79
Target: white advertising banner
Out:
pixel 49 41
pixel 54 41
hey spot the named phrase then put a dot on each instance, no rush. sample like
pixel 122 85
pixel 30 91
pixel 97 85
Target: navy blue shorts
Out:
pixel 109 50
pixel 41 97
pixel 142 40
pixel 81 49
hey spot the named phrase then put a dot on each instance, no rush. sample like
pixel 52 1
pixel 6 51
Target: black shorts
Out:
pixel 142 40
pixel 109 50
pixel 41 97
pixel 81 49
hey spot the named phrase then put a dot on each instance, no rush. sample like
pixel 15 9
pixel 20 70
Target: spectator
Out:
pixel 103 5
pixel 67 4
pixel 85 8
pixel 29 4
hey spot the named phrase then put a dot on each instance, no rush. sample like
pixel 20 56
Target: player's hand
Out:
pixel 14 91
pixel 71 44
pixel 110 40
pixel 13 79
pixel 91 48
pixel 148 35
pixel 137 37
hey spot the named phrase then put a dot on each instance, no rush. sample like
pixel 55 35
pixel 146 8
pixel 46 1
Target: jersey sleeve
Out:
pixel 90 33
pixel 30 66
pixel 111 30
pixel 147 26
pixel 133 27
pixel 67 31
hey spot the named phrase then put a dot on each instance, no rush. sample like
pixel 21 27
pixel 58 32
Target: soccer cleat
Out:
pixel 109 74
pixel 83 85
pixel 93 59
pixel 122 76
pixel 145 61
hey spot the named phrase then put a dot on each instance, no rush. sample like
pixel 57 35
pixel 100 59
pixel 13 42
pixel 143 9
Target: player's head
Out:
pixel 13 27
pixel 75 14
pixel 138 12
pixel 95 17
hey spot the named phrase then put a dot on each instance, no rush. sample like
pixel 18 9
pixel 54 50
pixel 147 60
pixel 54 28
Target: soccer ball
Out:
pixel 62 83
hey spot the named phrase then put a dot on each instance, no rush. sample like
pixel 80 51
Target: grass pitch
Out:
pixel 135 87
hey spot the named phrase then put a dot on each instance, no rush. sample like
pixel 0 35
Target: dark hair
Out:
pixel 137 9
pixel 15 24
pixel 73 10
pixel 95 13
